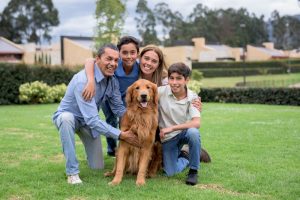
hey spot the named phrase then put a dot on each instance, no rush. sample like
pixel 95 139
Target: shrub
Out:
pixel 219 69
pixel 14 75
pixel 277 96
pixel 194 86
pixel 39 92
pixel 197 75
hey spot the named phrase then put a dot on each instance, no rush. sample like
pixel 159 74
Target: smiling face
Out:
pixel 108 62
pixel 149 62
pixel 178 84
pixel 128 54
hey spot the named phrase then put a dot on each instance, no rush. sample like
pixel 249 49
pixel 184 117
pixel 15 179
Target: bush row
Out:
pixel 277 96
pixel 40 92
pixel 14 75
pixel 248 64
pixel 223 69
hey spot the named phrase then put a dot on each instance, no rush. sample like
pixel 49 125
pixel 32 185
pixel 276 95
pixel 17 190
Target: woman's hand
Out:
pixel 197 103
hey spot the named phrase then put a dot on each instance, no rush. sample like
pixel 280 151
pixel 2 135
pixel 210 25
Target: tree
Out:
pixel 110 21
pixel 286 31
pixel 146 23
pixel 173 25
pixel 28 20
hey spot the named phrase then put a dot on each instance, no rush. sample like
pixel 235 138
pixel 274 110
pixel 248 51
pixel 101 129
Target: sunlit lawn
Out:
pixel 254 148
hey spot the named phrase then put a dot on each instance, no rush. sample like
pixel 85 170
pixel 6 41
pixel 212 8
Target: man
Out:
pixel 74 114
pixel 179 124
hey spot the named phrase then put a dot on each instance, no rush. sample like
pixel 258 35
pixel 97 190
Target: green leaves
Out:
pixel 40 92
pixel 110 20
pixel 28 20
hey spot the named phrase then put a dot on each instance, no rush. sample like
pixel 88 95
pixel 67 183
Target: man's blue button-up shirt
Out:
pixel 87 112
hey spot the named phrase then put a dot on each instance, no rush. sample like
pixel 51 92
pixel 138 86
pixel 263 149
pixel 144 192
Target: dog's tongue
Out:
pixel 144 104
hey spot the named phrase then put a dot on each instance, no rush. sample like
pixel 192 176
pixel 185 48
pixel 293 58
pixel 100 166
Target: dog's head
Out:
pixel 143 93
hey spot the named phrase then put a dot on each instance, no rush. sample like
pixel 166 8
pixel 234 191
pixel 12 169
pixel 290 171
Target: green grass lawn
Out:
pixel 231 81
pixel 254 148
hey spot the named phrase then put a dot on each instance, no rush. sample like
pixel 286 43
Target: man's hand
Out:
pixel 129 137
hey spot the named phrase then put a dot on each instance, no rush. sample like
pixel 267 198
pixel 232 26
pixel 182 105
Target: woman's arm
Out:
pixel 197 103
pixel 89 90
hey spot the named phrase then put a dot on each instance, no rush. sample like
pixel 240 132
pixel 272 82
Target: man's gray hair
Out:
pixel 109 45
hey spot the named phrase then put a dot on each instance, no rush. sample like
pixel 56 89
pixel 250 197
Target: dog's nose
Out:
pixel 143 96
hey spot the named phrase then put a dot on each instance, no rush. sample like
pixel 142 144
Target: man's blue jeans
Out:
pixel 67 125
pixel 111 119
pixel 174 164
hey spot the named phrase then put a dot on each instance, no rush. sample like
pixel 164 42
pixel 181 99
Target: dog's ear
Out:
pixel 155 94
pixel 128 97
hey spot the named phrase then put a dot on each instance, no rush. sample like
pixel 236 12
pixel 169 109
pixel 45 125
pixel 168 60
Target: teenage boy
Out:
pixel 74 114
pixel 179 124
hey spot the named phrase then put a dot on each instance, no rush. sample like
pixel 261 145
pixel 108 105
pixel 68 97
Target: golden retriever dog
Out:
pixel 141 118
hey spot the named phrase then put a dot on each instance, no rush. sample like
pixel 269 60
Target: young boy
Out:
pixel 179 122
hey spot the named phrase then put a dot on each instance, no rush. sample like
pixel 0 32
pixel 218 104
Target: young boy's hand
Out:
pixel 164 131
pixel 89 91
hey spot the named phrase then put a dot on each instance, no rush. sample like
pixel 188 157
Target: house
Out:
pixel 76 49
pixel 34 54
pixel 10 52
pixel 264 53
pixel 201 52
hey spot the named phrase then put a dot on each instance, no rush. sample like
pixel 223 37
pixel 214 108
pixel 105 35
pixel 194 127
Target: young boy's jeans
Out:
pixel 174 164
pixel 111 119
pixel 67 126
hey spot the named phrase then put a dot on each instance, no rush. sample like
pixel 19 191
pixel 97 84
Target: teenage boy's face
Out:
pixel 177 83
pixel 108 62
pixel 128 54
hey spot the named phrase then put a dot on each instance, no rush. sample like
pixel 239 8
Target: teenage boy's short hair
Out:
pixel 179 68
pixel 109 46
pixel 127 40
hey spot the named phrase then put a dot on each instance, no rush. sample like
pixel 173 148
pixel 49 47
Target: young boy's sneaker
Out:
pixel 74 179
pixel 192 177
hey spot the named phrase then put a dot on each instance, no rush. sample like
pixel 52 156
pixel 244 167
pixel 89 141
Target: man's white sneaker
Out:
pixel 74 179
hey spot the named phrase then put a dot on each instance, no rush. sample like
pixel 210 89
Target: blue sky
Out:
pixel 77 16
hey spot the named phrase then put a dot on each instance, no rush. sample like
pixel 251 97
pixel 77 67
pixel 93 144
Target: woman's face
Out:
pixel 149 62
pixel 128 54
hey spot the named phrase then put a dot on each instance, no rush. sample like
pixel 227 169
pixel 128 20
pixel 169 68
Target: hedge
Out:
pixel 220 69
pixel 277 96
pixel 13 75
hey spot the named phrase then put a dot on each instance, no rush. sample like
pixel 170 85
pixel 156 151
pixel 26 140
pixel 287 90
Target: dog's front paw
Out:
pixel 140 182
pixel 114 182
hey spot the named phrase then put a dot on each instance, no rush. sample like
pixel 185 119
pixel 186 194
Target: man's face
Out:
pixel 108 62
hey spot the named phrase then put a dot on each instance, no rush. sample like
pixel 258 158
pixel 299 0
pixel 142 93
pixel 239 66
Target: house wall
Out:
pixel 253 54
pixel 32 53
pixel 75 54
pixel 178 54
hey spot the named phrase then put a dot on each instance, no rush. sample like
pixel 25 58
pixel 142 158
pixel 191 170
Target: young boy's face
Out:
pixel 177 83
pixel 128 54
